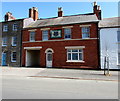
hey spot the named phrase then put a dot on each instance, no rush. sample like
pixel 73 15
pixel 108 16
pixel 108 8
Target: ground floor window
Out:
pixel 118 58
pixel 13 57
pixel 74 55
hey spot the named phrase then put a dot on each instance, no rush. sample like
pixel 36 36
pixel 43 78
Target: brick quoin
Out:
pixel 90 52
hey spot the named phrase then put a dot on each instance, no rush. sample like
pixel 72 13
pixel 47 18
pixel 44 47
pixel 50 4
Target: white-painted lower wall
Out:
pixel 109 46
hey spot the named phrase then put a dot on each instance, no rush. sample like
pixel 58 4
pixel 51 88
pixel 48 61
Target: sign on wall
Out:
pixel 56 33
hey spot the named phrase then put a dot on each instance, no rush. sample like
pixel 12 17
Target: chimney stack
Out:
pixel 33 13
pixel 60 12
pixel 97 10
pixel 8 16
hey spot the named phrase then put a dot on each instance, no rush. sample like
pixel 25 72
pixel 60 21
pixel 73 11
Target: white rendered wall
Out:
pixel 109 46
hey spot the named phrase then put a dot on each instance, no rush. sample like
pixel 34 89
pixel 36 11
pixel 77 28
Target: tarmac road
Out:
pixel 18 87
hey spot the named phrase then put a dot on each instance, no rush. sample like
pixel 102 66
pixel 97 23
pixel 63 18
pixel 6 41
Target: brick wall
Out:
pixel 90 52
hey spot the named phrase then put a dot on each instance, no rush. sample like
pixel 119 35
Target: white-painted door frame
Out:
pixel 49 59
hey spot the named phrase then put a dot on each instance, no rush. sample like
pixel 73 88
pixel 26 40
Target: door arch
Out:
pixel 49 57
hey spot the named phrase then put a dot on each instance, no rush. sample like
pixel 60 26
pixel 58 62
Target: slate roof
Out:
pixel 109 22
pixel 64 20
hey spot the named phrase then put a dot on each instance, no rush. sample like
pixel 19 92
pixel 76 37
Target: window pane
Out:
pixel 80 50
pixel 69 50
pixel 45 34
pixel 85 32
pixel 75 50
pixel 14 56
pixel 4 41
pixel 85 35
pixel 14 27
pixel 118 36
pixel 74 56
pixel 69 56
pixel 118 58
pixel 5 28
pixel 80 56
pixel 49 57
pixel 67 32
pixel 14 41
pixel 32 36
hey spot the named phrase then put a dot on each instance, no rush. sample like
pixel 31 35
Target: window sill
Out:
pixel 32 41
pixel 67 38
pixel 13 61
pixel 4 45
pixel 14 45
pixel 15 30
pixel 86 38
pixel 75 61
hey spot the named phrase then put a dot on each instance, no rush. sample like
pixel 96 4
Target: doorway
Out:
pixel 4 59
pixel 49 58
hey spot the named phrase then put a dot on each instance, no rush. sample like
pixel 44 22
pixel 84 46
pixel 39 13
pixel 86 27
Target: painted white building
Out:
pixel 110 41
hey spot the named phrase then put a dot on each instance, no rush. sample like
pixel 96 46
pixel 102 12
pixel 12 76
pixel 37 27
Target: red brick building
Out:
pixel 63 41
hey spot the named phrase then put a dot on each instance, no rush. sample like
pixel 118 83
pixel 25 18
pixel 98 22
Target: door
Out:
pixel 49 58
pixel 3 59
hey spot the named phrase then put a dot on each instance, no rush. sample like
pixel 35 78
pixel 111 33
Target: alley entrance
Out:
pixel 33 58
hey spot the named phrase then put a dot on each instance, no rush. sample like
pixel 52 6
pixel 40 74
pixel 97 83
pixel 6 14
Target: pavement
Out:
pixel 78 74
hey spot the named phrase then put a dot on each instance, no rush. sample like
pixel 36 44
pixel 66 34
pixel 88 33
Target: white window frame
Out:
pixel 45 35
pixel 118 36
pixel 66 33
pixel 32 36
pixel 5 28
pixel 118 58
pixel 15 27
pixel 71 60
pixel 4 41
pixel 12 57
pixel 86 32
pixel 14 40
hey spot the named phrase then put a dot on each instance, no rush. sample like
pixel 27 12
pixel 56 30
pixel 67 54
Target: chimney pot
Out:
pixel 33 13
pixel 95 3
pixel 99 8
pixel 8 16
pixel 60 12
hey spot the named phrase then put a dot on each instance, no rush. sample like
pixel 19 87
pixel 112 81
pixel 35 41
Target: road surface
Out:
pixel 17 87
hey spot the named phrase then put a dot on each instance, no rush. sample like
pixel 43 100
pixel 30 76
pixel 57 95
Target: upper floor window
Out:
pixel 14 27
pixel 13 57
pixel 75 55
pixel 118 36
pixel 45 35
pixel 85 32
pixel 14 41
pixel 5 28
pixel 67 32
pixel 4 41
pixel 32 36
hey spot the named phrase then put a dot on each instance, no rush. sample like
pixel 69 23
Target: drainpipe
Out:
pixel 99 48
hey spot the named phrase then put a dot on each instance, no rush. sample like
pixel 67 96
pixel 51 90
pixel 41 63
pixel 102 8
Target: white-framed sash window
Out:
pixel 118 58
pixel 4 41
pixel 67 33
pixel 14 41
pixel 44 35
pixel 118 36
pixel 15 27
pixel 85 32
pixel 74 55
pixel 13 57
pixel 32 36
pixel 5 28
